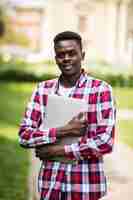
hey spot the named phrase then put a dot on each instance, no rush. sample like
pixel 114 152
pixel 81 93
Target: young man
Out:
pixel 84 179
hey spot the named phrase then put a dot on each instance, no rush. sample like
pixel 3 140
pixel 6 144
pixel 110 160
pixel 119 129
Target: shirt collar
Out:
pixel 79 84
pixel 82 79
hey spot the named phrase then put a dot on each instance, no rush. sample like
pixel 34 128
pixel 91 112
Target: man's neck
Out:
pixel 69 81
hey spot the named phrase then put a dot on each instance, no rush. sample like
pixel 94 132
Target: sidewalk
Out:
pixel 119 171
pixel 119 167
pixel 125 114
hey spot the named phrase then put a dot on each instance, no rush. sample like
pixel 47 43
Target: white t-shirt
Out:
pixel 65 91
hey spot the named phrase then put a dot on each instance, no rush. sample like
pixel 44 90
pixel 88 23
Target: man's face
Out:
pixel 68 56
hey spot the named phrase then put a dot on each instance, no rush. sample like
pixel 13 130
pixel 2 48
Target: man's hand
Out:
pixel 74 127
pixel 51 150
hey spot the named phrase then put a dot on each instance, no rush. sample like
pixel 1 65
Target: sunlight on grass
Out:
pixel 14 159
pixel 23 87
pixel 124 97
pixel 125 131
pixel 8 131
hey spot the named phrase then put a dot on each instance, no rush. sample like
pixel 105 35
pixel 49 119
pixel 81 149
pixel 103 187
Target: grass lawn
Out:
pixel 14 159
pixel 125 132
pixel 124 97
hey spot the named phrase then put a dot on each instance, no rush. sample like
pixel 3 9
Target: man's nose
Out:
pixel 66 57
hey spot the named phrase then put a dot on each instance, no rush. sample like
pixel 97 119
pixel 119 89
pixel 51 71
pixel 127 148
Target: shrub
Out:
pixel 21 76
pixel 20 70
pixel 118 80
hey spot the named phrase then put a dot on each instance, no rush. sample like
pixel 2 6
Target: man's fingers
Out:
pixel 37 154
pixel 43 152
pixel 80 115
pixel 37 151
pixel 41 155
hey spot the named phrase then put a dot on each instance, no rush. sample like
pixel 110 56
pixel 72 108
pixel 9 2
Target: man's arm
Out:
pixel 101 128
pixel 30 134
pixel 76 127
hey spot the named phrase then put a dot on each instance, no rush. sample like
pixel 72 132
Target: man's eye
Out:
pixel 60 55
pixel 72 53
pixel 69 53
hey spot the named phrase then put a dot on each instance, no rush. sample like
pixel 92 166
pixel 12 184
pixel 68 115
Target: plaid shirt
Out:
pixel 84 180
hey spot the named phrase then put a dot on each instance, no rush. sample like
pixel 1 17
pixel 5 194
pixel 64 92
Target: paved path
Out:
pixel 118 168
pixel 125 114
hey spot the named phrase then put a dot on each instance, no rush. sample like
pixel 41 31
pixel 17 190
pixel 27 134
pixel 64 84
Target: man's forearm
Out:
pixel 62 132
pixel 74 127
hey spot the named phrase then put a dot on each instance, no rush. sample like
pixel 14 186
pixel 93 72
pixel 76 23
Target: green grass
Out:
pixel 124 97
pixel 125 132
pixel 14 159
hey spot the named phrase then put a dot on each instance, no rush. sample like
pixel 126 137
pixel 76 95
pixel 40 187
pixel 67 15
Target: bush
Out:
pixel 118 80
pixel 20 70
pixel 21 76
pixel 130 82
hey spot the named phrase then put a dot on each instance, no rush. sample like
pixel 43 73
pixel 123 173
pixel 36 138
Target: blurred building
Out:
pixel 106 26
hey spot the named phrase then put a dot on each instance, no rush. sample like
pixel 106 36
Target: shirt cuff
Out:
pixel 52 134
pixel 72 151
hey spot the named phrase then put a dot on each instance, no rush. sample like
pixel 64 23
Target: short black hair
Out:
pixel 68 35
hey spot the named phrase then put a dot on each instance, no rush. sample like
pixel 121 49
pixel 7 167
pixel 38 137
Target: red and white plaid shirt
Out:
pixel 84 180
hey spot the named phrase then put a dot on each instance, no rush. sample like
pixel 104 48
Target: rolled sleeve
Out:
pixel 99 139
pixel 30 134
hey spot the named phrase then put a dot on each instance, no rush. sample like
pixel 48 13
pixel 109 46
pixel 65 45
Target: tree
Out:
pixel 7 34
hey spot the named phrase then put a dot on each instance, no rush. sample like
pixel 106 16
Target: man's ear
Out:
pixel 55 59
pixel 83 55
